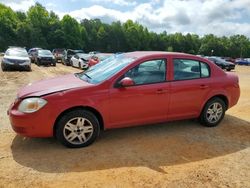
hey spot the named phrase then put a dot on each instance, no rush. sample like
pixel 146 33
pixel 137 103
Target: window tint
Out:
pixel 185 69
pixel 148 72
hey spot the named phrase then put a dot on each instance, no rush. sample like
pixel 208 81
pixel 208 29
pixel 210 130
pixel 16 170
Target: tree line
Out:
pixel 40 28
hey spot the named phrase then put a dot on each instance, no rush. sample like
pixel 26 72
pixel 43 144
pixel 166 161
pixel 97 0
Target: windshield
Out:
pixel 59 51
pixel 84 56
pixel 17 52
pixel 44 52
pixel 105 69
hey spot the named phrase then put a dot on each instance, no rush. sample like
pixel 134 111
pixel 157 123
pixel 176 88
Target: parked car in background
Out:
pixel 97 58
pixel 17 58
pixel 222 63
pixel 68 56
pixel 131 89
pixel 59 54
pixel 45 57
pixel 241 61
pixel 80 60
pixel 94 52
pixel 229 59
pixel 33 53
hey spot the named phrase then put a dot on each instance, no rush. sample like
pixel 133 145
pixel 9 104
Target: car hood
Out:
pixel 52 85
pixel 16 58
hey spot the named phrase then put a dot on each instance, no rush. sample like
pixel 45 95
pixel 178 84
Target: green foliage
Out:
pixel 40 28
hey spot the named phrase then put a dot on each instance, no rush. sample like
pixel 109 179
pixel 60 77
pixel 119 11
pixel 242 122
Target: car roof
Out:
pixel 17 49
pixel 139 54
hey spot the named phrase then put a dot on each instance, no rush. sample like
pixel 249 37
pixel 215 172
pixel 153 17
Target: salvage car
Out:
pixel 16 57
pixel 222 63
pixel 80 60
pixel 33 53
pixel 241 61
pixel 58 54
pixel 69 54
pixel 45 57
pixel 135 88
pixel 94 59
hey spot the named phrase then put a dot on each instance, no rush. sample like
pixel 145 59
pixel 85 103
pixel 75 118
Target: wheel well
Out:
pixel 94 111
pixel 222 97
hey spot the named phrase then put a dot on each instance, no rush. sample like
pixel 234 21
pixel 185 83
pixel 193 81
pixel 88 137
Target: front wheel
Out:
pixel 4 68
pixel 213 112
pixel 78 128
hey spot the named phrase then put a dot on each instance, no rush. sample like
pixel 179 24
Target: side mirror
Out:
pixel 125 82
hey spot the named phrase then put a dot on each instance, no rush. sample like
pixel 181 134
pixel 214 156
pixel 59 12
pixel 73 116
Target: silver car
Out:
pixel 17 58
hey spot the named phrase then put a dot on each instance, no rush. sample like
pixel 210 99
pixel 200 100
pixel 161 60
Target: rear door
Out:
pixel 189 87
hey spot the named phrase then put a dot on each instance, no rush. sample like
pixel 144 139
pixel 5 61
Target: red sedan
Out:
pixel 131 89
pixel 97 58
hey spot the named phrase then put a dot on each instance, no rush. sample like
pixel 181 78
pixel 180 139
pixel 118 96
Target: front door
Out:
pixel 144 102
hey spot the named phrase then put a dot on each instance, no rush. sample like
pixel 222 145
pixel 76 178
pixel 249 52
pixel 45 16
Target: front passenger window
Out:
pixel 152 71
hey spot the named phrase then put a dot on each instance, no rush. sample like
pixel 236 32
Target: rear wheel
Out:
pixel 78 128
pixel 213 112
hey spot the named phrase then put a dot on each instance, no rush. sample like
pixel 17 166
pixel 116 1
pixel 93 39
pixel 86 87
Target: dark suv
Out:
pixel 45 57
pixel 32 54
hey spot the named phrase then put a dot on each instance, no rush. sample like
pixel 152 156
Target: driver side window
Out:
pixel 148 72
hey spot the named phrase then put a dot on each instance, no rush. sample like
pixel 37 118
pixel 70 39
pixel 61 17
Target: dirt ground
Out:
pixel 176 154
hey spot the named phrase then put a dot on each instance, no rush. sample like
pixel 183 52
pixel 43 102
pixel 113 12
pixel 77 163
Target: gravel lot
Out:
pixel 176 154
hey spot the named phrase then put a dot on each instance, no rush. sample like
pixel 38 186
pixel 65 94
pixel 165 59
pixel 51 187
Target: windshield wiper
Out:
pixel 87 75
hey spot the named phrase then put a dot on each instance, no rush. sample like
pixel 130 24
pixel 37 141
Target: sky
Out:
pixel 219 17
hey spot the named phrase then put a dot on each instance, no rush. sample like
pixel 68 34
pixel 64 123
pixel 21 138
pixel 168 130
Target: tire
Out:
pixel 28 68
pixel 38 63
pixel 79 65
pixel 229 69
pixel 4 68
pixel 71 133
pixel 54 64
pixel 213 112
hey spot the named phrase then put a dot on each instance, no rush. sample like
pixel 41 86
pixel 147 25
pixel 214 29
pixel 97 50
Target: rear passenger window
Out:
pixel 185 69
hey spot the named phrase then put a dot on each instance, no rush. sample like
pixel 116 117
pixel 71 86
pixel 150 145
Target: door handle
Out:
pixel 161 91
pixel 203 86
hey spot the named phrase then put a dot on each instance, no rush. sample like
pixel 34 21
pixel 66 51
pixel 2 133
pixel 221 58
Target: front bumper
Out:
pixel 16 65
pixel 37 124
pixel 46 61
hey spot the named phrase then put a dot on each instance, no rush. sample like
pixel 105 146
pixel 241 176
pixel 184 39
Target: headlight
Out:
pixel 31 105
pixel 6 60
